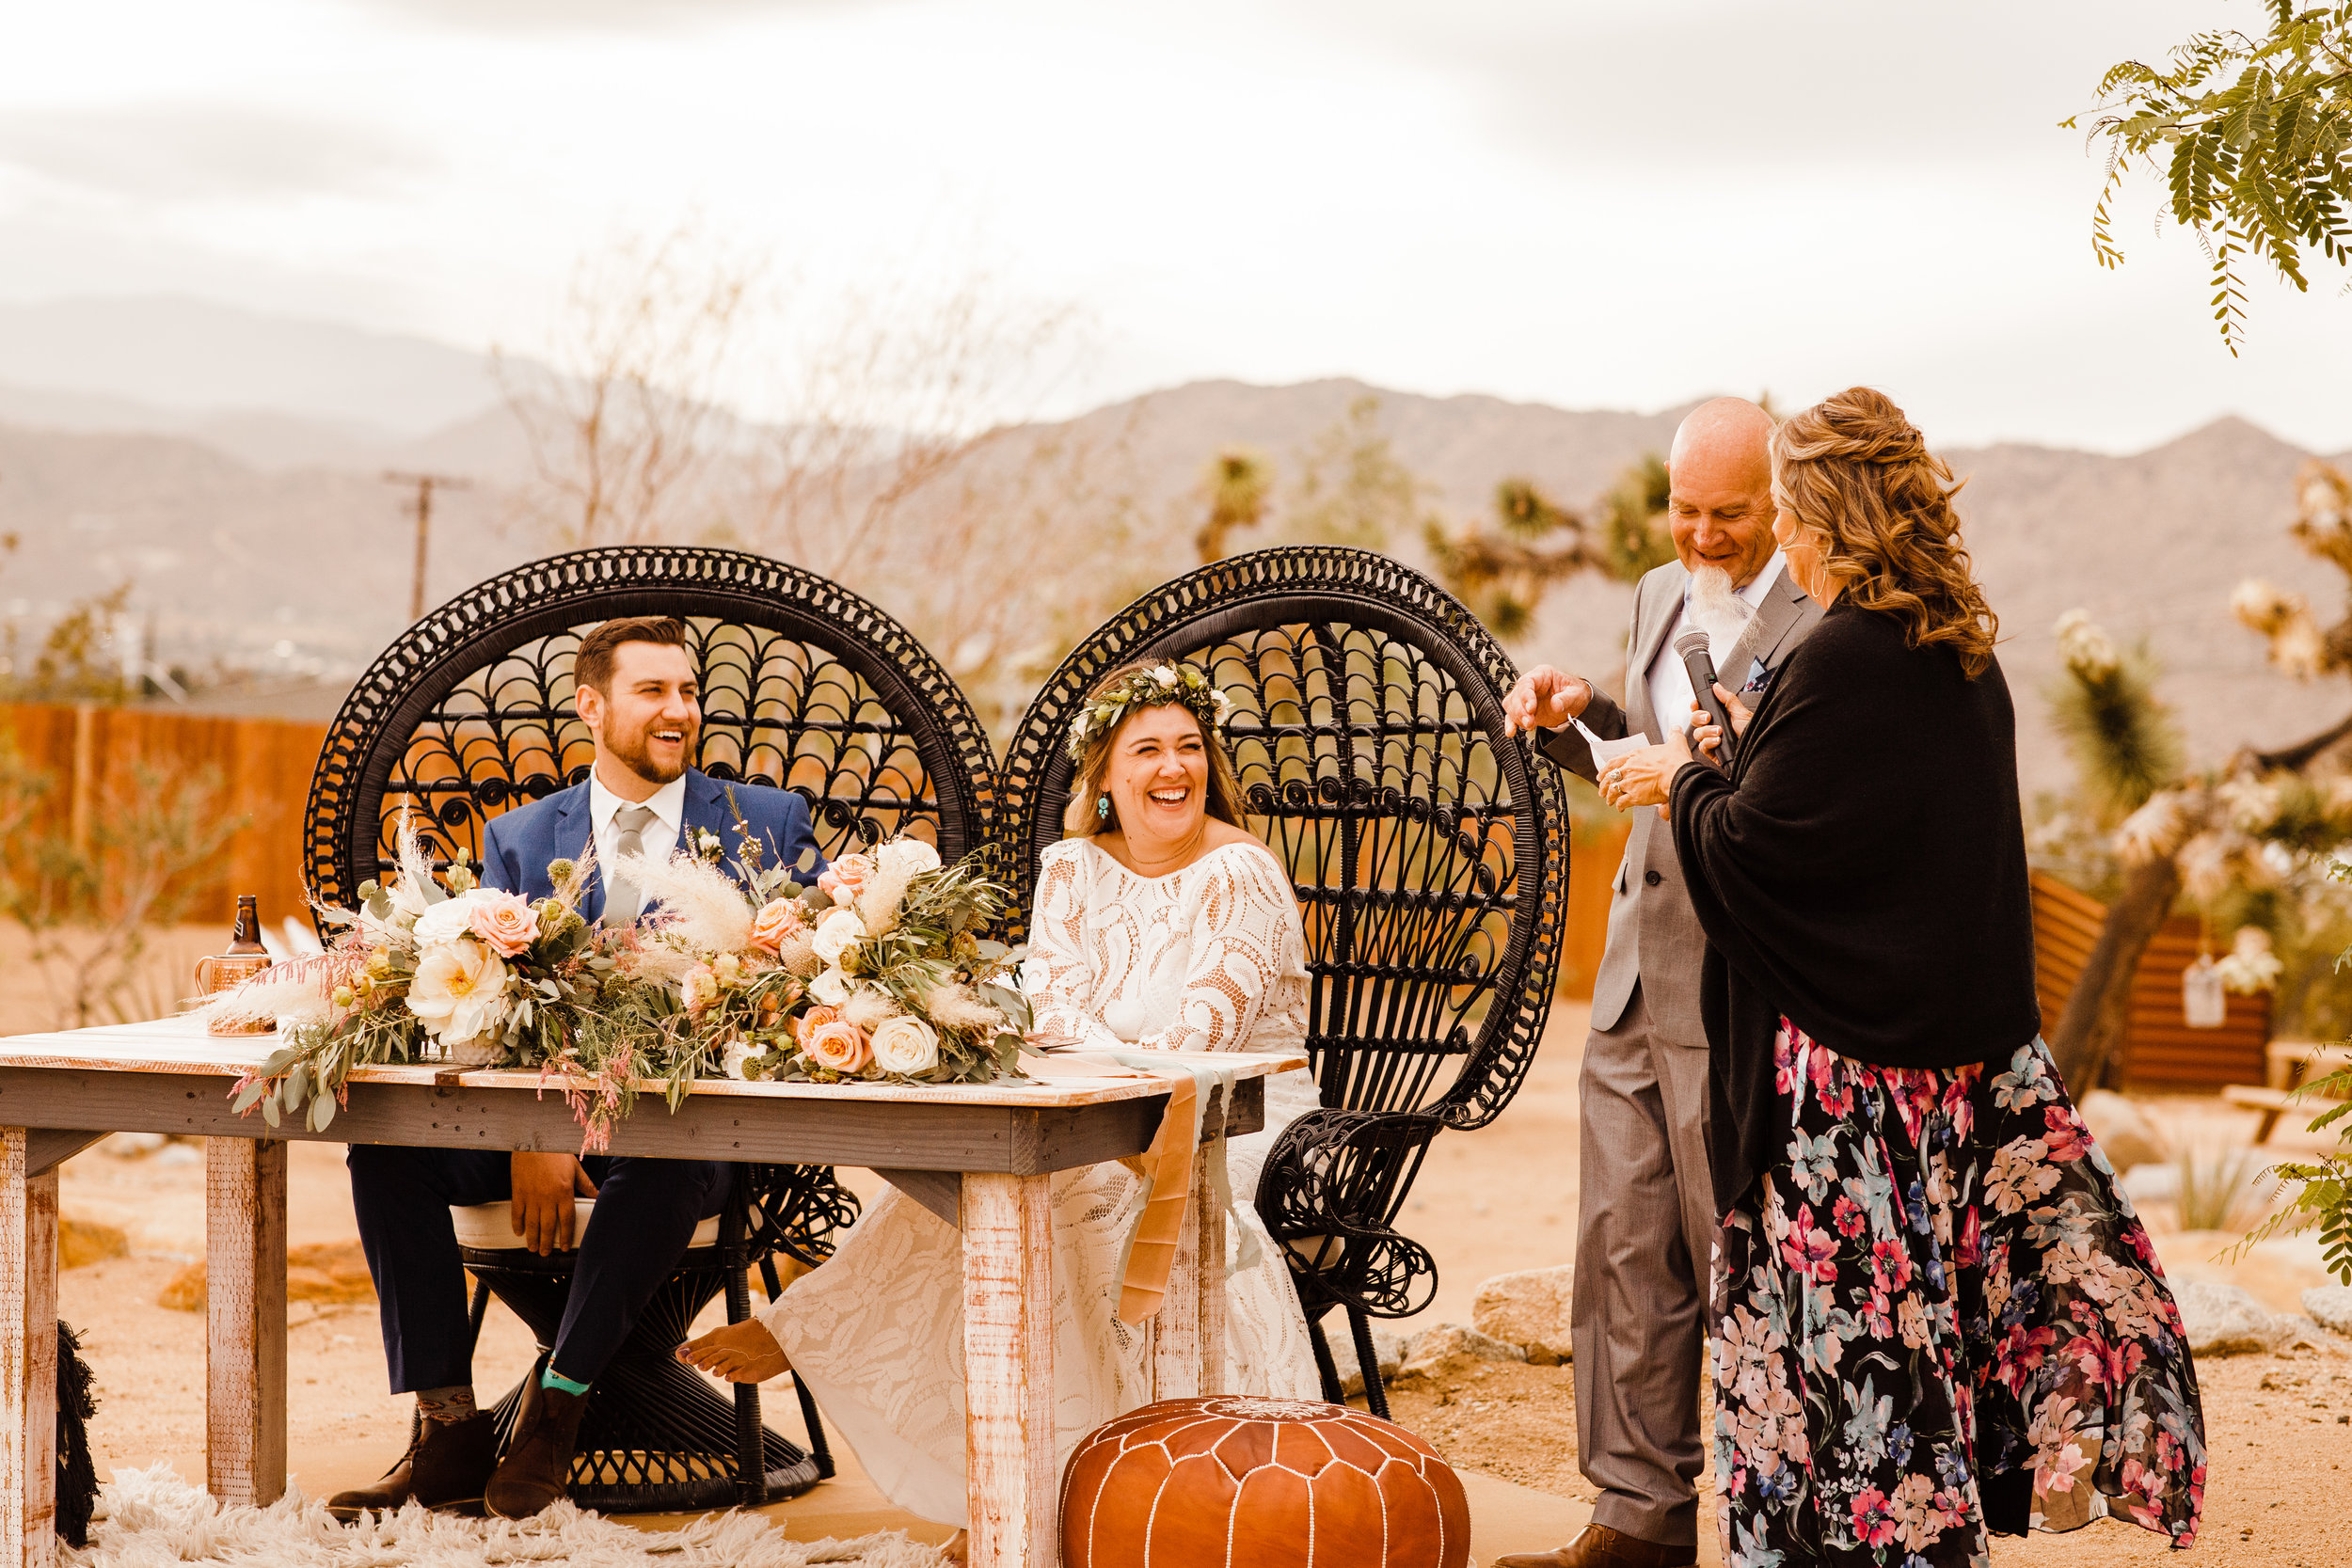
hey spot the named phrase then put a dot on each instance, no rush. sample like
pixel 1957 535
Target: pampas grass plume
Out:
pixel 878 906
pixel 955 1007
pixel 867 1007
pixel 702 909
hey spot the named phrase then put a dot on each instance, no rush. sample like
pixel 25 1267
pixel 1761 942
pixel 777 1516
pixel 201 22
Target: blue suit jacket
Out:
pixel 516 848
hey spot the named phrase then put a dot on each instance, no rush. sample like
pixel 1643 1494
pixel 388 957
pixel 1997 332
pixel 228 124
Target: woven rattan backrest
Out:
pixel 804 684
pixel 1428 851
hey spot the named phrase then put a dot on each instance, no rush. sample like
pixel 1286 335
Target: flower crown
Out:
pixel 1180 684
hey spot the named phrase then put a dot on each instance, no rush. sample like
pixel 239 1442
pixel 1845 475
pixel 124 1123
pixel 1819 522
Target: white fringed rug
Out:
pixel 153 1519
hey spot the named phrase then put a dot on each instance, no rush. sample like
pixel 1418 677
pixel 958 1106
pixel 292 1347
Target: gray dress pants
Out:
pixel 1645 1225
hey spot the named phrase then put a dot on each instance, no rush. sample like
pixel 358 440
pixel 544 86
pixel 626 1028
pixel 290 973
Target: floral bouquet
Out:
pixel 876 971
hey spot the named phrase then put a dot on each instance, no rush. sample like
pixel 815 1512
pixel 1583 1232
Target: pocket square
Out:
pixel 1760 676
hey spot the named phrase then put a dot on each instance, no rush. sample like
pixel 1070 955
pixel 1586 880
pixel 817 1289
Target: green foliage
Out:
pixel 73 664
pixel 88 909
pixel 1634 538
pixel 2321 1187
pixel 2125 742
pixel 2212 1189
pixel 2254 139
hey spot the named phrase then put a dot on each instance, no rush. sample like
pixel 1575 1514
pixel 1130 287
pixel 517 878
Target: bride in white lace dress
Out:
pixel 1160 924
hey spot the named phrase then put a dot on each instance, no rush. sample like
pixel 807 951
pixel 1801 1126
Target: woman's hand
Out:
pixel 1638 777
pixel 1708 734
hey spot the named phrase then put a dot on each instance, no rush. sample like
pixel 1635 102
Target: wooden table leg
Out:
pixel 1175 1329
pixel 245 1309
pixel 1009 1471
pixel 28 1357
pixel 1208 1247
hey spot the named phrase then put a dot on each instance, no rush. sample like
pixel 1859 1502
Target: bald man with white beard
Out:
pixel 1645 1221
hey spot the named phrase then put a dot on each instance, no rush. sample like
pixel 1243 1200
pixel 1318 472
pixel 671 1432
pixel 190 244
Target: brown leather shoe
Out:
pixel 1599 1546
pixel 538 1460
pixel 446 1468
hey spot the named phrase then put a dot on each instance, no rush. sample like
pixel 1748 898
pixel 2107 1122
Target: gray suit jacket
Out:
pixel 1653 935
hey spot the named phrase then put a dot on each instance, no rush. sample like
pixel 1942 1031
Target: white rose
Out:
pixel 447 920
pixel 459 992
pixel 835 935
pixel 1165 676
pixel 908 857
pixel 832 988
pixel 905 1044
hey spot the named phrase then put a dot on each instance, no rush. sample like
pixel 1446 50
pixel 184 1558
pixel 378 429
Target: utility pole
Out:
pixel 426 485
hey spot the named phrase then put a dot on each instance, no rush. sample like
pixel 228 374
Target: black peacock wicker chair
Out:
pixel 1429 853
pixel 806 686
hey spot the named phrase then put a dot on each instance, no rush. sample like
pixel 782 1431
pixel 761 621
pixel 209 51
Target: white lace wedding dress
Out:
pixel 1211 958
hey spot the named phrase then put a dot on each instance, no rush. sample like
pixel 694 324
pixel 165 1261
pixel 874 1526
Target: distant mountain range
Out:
pixel 229 466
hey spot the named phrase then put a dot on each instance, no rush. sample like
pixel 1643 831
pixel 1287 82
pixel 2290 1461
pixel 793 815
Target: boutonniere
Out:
pixel 706 845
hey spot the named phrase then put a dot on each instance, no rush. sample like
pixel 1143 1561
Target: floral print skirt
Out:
pixel 1937 1315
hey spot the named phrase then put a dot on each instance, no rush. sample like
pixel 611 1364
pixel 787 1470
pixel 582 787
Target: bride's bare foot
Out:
pixel 737 1352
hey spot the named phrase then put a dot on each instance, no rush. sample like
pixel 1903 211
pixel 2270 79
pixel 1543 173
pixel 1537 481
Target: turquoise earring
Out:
pixel 1103 808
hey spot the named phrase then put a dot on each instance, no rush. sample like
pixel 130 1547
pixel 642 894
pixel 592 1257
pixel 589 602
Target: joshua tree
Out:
pixel 1504 574
pixel 2205 833
pixel 1238 484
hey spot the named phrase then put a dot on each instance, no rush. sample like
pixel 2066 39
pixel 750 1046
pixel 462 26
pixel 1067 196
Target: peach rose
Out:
pixel 700 988
pixel 846 877
pixel 777 919
pixel 506 922
pixel 839 1045
pixel 812 1019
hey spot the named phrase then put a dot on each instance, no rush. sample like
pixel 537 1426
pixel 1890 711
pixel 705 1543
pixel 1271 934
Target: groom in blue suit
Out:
pixel 638 695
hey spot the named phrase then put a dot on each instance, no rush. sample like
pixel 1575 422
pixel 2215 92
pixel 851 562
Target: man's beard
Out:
pixel 632 754
pixel 1717 609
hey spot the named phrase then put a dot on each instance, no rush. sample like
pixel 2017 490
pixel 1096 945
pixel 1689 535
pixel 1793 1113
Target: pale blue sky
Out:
pixel 1588 204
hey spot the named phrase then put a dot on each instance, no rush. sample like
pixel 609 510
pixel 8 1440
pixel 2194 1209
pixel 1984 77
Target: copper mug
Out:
pixel 223 972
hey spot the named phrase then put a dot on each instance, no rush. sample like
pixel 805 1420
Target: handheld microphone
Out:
pixel 1700 663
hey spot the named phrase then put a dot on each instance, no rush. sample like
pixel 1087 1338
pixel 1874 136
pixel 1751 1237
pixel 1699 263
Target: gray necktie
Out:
pixel 623 898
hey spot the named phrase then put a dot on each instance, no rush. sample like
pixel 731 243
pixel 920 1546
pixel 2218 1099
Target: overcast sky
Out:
pixel 1619 205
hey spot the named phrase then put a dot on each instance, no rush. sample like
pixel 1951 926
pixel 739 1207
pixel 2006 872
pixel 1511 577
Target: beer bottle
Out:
pixel 247 937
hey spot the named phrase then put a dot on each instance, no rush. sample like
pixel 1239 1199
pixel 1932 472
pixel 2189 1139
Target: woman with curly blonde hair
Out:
pixel 1935 1313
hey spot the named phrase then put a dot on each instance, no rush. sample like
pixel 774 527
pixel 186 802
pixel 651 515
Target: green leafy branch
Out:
pixel 2254 139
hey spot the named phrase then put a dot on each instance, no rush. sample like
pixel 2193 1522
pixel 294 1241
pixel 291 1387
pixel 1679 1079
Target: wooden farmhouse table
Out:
pixel 978 1157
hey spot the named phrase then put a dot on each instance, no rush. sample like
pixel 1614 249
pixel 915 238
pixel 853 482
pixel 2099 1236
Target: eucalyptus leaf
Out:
pixel 322 1111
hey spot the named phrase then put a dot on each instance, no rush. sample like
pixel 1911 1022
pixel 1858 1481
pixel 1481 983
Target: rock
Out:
pixel 1432 1350
pixel 131 1146
pixel 2227 1320
pixel 80 1242
pixel 2122 1131
pixel 2152 1183
pixel 1387 1346
pixel 330 1273
pixel 1530 1308
pixel 185 1291
pixel 2330 1307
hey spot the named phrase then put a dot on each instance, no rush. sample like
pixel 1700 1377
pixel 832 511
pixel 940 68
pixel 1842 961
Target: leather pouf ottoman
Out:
pixel 1235 1482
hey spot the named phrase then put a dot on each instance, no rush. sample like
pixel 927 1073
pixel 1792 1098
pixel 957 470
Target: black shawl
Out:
pixel 1861 870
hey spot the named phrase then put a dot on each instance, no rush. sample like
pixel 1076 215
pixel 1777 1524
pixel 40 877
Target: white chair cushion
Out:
pixel 490 1227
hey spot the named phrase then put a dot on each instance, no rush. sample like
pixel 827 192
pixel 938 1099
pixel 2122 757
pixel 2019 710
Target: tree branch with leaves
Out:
pixel 2252 137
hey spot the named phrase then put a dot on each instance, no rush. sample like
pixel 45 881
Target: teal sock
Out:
pixel 553 1379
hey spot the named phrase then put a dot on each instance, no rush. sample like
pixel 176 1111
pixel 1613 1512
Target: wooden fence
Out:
pixel 2160 1050
pixel 260 770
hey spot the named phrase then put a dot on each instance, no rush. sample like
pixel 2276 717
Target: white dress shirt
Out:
pixel 1670 695
pixel 659 836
